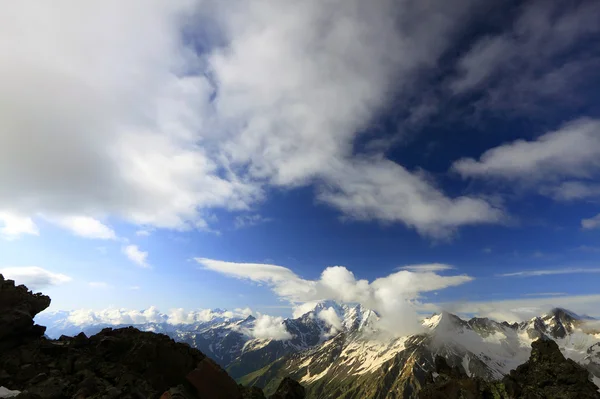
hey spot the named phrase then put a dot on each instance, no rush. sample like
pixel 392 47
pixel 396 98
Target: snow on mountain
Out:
pixel 339 344
pixel 358 360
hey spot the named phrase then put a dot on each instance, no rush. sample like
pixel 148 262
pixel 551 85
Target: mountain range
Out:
pixel 337 351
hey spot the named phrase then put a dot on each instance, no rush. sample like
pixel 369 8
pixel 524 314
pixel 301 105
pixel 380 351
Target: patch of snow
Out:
pixel 596 381
pixel 311 378
pixel 465 364
pixel 7 393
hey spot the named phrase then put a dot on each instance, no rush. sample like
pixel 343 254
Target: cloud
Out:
pixel 270 327
pixel 546 294
pixel 548 272
pixel 390 296
pixel 332 319
pixel 520 309
pixel 536 60
pixel 142 233
pixel 115 132
pixel 432 267
pixel 136 255
pixel 572 191
pixel 250 220
pixel 382 190
pixel 99 284
pixel 85 226
pixel 147 130
pixel 571 151
pixel 116 316
pixel 14 226
pixel 591 223
pixel 34 277
pixel 134 287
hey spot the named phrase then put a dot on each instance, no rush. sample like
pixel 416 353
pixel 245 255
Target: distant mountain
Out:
pixel 336 350
pixel 361 364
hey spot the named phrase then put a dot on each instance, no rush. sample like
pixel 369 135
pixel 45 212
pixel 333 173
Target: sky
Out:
pixel 196 154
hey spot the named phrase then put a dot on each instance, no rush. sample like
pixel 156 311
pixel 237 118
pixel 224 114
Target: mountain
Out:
pixel 337 351
pixel 547 374
pixel 363 364
pixel 115 363
pixel 225 338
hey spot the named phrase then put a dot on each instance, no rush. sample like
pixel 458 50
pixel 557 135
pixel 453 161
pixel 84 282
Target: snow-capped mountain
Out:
pixel 224 336
pixel 336 347
pixel 365 365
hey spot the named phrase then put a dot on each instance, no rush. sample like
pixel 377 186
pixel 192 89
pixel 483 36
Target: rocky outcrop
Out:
pixel 115 363
pixel 547 374
pixel 18 307
pixel 289 389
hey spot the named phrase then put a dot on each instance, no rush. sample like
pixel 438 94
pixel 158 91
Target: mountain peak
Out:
pixel 444 321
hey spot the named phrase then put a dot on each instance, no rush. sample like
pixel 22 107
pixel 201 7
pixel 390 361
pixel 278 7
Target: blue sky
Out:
pixel 206 155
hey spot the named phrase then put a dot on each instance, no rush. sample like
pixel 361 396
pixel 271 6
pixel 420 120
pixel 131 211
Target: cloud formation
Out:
pixel 520 309
pixel 117 316
pixel 332 319
pixel 86 227
pixel 572 151
pixel 390 296
pixel 270 327
pixel 148 130
pixel 431 267
pixel 537 59
pixel 136 255
pixel 34 277
pixel 14 226
pixel 548 272
pixel 591 223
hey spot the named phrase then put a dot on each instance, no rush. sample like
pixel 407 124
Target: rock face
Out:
pixel 289 389
pixel 115 363
pixel 547 374
pixel 18 307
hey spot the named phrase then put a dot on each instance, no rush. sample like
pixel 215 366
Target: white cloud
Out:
pixel 270 327
pixel 521 309
pixel 150 315
pixel 432 267
pixel 546 294
pixel 522 67
pixel 383 190
pixel 146 130
pixel 142 233
pixel 99 284
pixel 572 190
pixel 136 255
pixel 134 287
pixel 571 151
pixel 13 226
pixel 85 226
pixel 591 223
pixel 548 272
pixel 249 220
pixel 390 296
pixel 34 277
pixel 331 317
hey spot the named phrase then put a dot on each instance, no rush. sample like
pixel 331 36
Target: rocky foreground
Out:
pixel 547 374
pixel 128 363
pixel 119 363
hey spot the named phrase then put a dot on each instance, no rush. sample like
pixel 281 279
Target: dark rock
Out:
pixel 211 381
pixel 252 393
pixel 18 307
pixel 289 389
pixel 547 374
